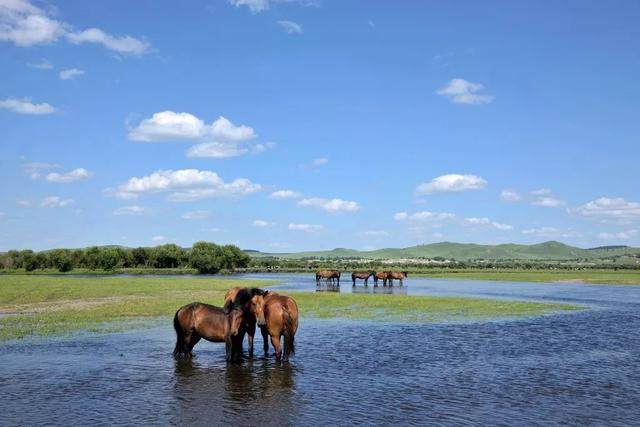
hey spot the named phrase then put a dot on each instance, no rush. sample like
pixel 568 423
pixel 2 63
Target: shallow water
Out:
pixel 576 368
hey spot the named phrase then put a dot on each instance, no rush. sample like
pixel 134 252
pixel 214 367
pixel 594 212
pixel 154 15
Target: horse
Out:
pixel 198 320
pixel 242 297
pixel 330 275
pixel 397 275
pixel 361 275
pixel 384 275
pixel 278 314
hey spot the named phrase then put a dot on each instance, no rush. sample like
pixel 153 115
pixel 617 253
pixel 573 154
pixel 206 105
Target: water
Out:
pixel 576 368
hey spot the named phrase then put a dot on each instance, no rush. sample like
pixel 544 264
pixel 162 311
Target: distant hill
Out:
pixel 551 250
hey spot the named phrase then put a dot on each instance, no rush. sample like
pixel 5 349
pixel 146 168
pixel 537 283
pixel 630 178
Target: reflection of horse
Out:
pixel 198 320
pixel 279 315
pixel 329 275
pixel 381 275
pixel 361 275
pixel 397 275
pixel 242 297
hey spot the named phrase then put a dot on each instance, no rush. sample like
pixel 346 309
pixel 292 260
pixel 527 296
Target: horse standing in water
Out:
pixel 198 320
pixel 278 314
pixel 361 275
pixel 381 275
pixel 329 275
pixel 242 297
pixel 397 275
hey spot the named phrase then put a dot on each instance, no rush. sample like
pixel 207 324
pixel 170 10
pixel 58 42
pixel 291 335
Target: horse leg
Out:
pixel 354 282
pixel 275 341
pixel 265 339
pixel 251 331
pixel 191 339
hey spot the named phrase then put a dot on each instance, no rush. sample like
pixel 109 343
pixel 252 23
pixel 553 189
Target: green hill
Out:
pixel 551 250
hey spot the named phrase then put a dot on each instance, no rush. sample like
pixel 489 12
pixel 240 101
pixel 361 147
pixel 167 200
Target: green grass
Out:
pixel 55 305
pixel 620 277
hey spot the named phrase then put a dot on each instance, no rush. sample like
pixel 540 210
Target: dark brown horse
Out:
pixel 362 275
pixel 198 320
pixel 381 275
pixel 397 275
pixel 278 314
pixel 329 275
pixel 242 297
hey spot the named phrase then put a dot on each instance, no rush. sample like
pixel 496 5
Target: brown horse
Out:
pixel 329 275
pixel 278 314
pixel 362 275
pixel 242 297
pixel 397 275
pixel 198 320
pixel 381 275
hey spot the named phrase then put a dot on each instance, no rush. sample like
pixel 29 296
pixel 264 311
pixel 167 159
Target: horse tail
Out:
pixel 289 334
pixel 181 350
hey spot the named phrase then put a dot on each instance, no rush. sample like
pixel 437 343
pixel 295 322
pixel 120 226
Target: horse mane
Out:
pixel 242 297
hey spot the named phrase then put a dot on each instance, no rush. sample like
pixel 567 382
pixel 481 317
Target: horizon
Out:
pixel 293 126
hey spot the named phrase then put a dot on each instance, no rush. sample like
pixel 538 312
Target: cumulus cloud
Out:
pixel 130 210
pixel 195 215
pixel 451 183
pixel 168 125
pixel 70 74
pixel 36 169
pixel 158 238
pixel 609 209
pixel 307 228
pixel 509 195
pixel 290 27
pixel 542 192
pixel 55 202
pixel 486 222
pixel 184 185
pixel 25 106
pixel 424 216
pixel 461 91
pixel 551 232
pixel 620 235
pixel 257 6
pixel 330 205
pixel 24 25
pixel 548 202
pixel 285 194
pixel 260 223
pixel 216 150
pixel 72 176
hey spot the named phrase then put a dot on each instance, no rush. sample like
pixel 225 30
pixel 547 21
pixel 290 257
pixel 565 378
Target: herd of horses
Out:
pixel 331 276
pixel 276 315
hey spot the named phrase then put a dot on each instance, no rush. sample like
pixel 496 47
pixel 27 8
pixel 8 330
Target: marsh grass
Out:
pixel 38 306
pixel 613 277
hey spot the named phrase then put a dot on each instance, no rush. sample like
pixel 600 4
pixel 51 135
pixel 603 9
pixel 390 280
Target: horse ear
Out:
pixel 265 293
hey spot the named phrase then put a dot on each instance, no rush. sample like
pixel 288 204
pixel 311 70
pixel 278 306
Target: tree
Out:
pixel 205 257
pixel 109 258
pixel 168 256
pixel 61 259
pixel 141 257
pixel 29 260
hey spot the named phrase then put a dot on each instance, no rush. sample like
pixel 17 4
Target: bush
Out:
pixel 61 260
pixel 206 257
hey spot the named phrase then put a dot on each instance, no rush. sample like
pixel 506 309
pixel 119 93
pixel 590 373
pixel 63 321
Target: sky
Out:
pixel 289 125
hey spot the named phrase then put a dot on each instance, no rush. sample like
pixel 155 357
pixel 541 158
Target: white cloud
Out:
pixel 185 185
pixel 320 161
pixel 307 228
pixel 255 6
pixel 216 150
pixel 158 238
pixel 290 27
pixel 195 215
pixel 542 192
pixel 509 195
pixel 461 91
pixel 25 106
pixel 371 24
pixel 424 216
pixel 374 233
pixel 24 203
pixel 285 194
pixel 55 202
pixel 72 176
pixel 70 74
pixel 42 65
pixel 548 202
pixel 620 235
pixel 130 210
pixel 168 125
pixel 551 232
pixel 614 209
pixel 24 24
pixel 451 183
pixel 486 222
pixel 35 169
pixel 223 130
pixel 260 223
pixel 330 205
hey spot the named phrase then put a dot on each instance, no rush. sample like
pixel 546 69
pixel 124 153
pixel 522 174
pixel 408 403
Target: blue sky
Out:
pixel 292 125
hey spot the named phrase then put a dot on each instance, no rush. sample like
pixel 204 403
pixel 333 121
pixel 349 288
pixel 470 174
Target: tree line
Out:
pixel 205 257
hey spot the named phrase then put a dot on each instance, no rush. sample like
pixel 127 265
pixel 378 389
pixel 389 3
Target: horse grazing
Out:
pixel 278 314
pixel 397 275
pixel 242 297
pixel 362 275
pixel 198 320
pixel 329 275
pixel 381 275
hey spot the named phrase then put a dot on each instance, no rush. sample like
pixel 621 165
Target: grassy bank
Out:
pixel 614 277
pixel 37 305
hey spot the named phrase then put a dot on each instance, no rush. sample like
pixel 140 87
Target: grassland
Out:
pixel 618 277
pixel 39 306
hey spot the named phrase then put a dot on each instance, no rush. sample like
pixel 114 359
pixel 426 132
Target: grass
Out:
pixel 39 306
pixel 617 277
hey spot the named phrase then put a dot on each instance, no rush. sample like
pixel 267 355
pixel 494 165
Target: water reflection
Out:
pixel 388 290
